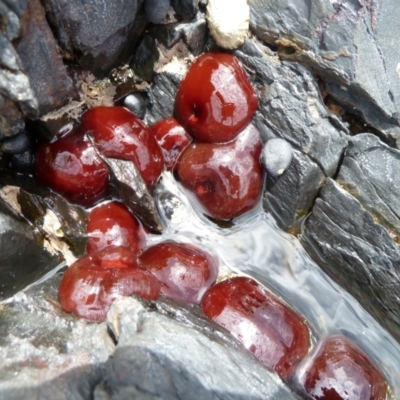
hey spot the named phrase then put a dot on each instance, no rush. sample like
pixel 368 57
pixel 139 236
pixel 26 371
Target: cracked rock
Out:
pixel 352 44
pixel 355 251
pixel 290 197
pixel 370 172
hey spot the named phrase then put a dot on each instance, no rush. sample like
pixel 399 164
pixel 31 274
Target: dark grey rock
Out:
pixel 135 103
pixel 155 44
pixel 101 34
pixel 23 258
pixel 176 354
pixel 290 197
pixel 291 107
pixel 370 172
pixel 23 163
pixel 61 223
pixel 352 44
pixel 161 96
pixel 16 144
pixel 156 10
pixel 128 186
pixel 359 254
pixel 146 56
pixel 185 9
pixel 42 62
pixel 276 156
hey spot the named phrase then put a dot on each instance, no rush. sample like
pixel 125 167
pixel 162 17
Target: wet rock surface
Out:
pixel 291 108
pixel 352 44
pixel 340 192
pixel 164 351
pixel 356 252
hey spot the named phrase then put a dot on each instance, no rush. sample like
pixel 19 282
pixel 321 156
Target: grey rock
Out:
pixel 41 61
pixel 156 10
pixel 370 173
pixel 291 107
pixel 161 96
pixel 359 254
pixel 14 84
pixel 9 21
pixel 290 197
pixel 276 156
pixel 352 44
pixel 23 259
pixel 65 354
pixel 177 354
pixel 135 103
pixel 99 33
pixel 128 186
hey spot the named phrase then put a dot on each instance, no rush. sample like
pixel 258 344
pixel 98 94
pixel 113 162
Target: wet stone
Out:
pixel 352 44
pixel 370 173
pixel 42 62
pixel 146 56
pixel 175 353
pixel 65 354
pixel 290 197
pixel 23 258
pixel 99 33
pixel 356 252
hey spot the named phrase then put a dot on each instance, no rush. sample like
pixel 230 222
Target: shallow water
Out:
pixel 255 246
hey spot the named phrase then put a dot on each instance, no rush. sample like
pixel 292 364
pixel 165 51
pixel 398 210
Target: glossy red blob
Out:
pixel 91 284
pixel 172 138
pixel 215 100
pixel 112 224
pixel 120 134
pixel 227 177
pixel 70 166
pixel 185 272
pixel 338 370
pixel 266 326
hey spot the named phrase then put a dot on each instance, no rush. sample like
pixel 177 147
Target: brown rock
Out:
pixel 41 60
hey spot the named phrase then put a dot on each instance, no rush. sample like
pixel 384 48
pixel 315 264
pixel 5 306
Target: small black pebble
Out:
pixel 156 10
pixel 135 103
pixel 16 144
pixel 22 163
